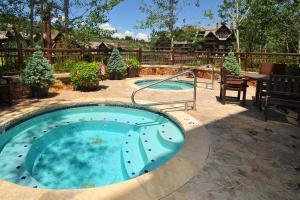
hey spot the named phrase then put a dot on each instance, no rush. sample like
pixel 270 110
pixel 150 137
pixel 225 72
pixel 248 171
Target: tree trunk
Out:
pixel 172 42
pixel 18 37
pixel 47 25
pixel 171 25
pixel 66 13
pixel 46 14
pixel 237 26
pixel 16 30
pixel 287 47
pixel 31 6
pixel 237 39
pixel 172 48
pixel 299 42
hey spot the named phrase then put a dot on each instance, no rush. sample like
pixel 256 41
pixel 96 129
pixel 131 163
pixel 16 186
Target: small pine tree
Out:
pixel 38 72
pixel 232 64
pixel 116 63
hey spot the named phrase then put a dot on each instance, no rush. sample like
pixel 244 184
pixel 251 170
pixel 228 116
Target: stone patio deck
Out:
pixel 249 158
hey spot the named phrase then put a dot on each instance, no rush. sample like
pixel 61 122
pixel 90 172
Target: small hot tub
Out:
pixel 166 85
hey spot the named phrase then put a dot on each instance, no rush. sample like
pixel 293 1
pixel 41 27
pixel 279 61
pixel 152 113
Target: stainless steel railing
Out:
pixel 188 71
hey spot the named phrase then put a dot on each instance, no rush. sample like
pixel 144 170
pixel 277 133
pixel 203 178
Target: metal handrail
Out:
pixel 193 71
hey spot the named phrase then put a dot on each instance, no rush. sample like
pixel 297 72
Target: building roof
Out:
pixel 108 45
pixel 210 29
pixel 215 27
pixel 3 35
pixel 215 30
pixel 207 28
pixel 54 34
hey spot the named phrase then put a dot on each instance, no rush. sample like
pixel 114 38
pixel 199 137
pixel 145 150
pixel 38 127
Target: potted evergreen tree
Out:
pixel 38 74
pixel 231 65
pixel 116 67
pixel 133 67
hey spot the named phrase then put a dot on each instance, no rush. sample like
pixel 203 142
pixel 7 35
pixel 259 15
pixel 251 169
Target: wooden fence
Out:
pixel 13 60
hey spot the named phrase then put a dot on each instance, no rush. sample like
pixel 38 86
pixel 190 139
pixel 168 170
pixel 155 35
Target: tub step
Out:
pixel 170 136
pixel 133 158
pixel 156 153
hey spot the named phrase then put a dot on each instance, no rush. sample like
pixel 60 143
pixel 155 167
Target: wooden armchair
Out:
pixel 5 88
pixel 234 83
pixel 268 69
pixel 283 90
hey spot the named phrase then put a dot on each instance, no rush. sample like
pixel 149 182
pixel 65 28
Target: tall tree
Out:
pixel 162 15
pixel 13 16
pixel 271 25
pixel 24 15
pixel 84 25
pixel 234 11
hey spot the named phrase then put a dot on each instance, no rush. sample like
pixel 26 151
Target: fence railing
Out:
pixel 13 60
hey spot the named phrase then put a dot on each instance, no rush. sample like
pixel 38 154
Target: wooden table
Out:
pixel 260 79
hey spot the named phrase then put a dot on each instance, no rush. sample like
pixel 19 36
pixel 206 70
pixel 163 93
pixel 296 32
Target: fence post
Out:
pixel 251 61
pixel 246 61
pixel 207 56
pixel 20 57
pixel 140 55
pixel 172 56
pixel 91 58
pixel 82 53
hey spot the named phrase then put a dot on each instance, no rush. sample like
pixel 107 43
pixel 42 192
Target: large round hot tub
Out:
pixel 87 146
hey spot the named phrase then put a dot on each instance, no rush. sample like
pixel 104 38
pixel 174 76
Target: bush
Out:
pixel 232 64
pixel 134 63
pixel 85 75
pixel 116 63
pixel 38 72
pixel 64 66
pixel 293 69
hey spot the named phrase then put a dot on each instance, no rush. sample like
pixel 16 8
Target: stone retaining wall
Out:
pixel 18 90
pixel 63 81
pixel 171 70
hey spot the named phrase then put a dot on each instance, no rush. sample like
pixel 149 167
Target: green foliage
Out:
pixel 38 72
pixel 85 75
pixel 85 29
pixel 116 63
pixel 64 66
pixel 190 34
pixel 134 63
pixel 233 10
pixel 81 26
pixel 8 64
pixel 232 64
pixel 265 25
pixel 293 69
pixel 163 15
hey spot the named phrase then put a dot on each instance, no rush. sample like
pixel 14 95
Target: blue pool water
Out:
pixel 166 85
pixel 88 146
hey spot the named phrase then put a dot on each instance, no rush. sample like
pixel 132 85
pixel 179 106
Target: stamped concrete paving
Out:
pixel 249 158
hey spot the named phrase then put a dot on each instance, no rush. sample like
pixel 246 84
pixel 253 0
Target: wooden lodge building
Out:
pixel 219 38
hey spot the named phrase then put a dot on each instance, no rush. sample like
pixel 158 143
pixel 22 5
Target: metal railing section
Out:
pixel 188 71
